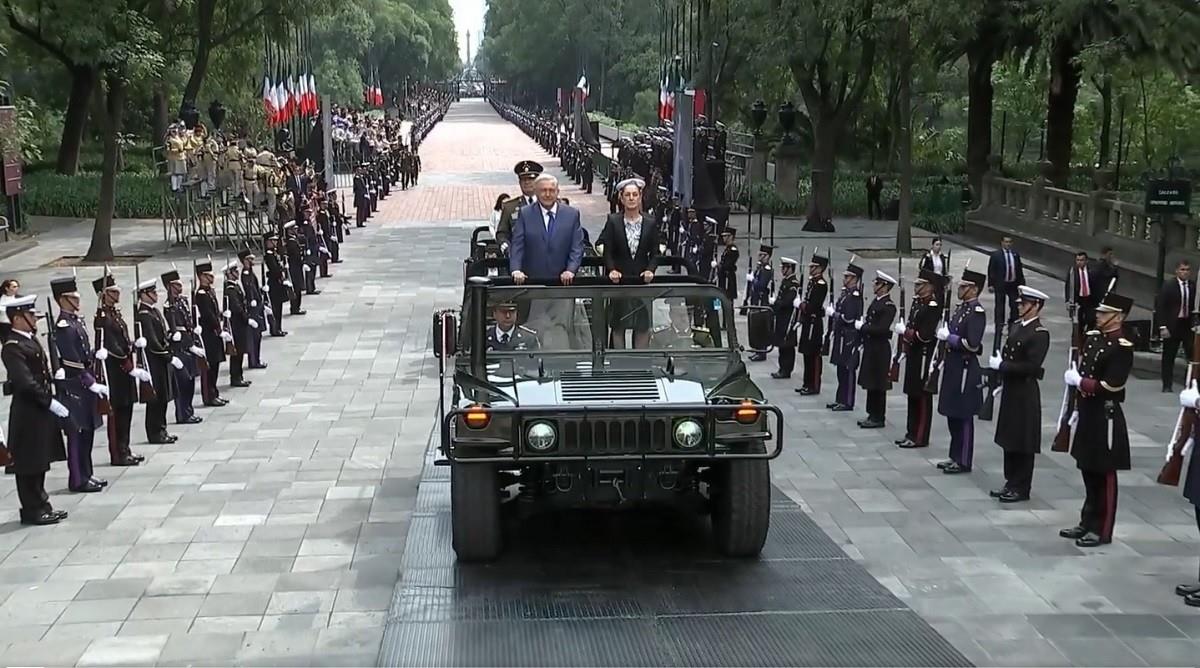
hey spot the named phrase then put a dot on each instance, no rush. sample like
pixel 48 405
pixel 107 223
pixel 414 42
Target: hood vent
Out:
pixel 610 386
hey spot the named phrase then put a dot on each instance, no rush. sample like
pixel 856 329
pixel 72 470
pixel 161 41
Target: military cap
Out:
pixel 232 265
pixel 854 269
pixel 1029 294
pixel 505 305
pixel 787 261
pixel 527 168
pixel 728 230
pixel 147 285
pixel 104 283
pixel 289 225
pixel 26 303
pixel 64 287
pixel 243 254
pixel 819 260
pixel 204 267
pixel 884 277
pixel 171 277
pixel 973 277
pixel 766 248
pixel 272 235
pixel 1114 303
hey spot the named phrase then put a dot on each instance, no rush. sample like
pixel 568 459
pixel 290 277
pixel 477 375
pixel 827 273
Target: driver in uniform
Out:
pixel 680 333
pixel 506 334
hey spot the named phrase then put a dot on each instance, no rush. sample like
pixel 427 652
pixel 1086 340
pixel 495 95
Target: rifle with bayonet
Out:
pixel 901 344
pixel 991 381
pixel 144 383
pixel 934 378
pixel 828 342
pixel 1185 424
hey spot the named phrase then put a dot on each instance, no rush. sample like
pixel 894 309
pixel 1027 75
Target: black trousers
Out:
pixel 254 345
pixel 119 423
pixel 156 420
pixel 236 361
pixel 310 279
pixel 812 372
pixel 277 298
pixel 185 391
pixel 1171 347
pixel 296 273
pixel 874 208
pixel 31 492
pixel 920 418
pixel 1006 294
pixel 787 359
pixel 1018 471
pixel 876 404
pixel 1099 512
pixel 209 385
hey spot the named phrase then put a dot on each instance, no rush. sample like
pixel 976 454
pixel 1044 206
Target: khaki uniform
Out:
pixel 250 175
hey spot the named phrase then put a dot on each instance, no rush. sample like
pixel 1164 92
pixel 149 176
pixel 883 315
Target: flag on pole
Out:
pixel 312 90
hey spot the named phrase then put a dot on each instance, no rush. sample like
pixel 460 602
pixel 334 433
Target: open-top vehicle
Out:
pixel 547 410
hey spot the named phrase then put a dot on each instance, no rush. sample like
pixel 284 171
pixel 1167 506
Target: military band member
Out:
pixel 160 359
pixel 786 306
pixel 844 350
pixel 506 334
pixel 679 333
pixel 119 369
pixel 34 439
pixel 810 324
pixel 231 172
pixel 250 176
pixel 175 151
pixel 1019 424
pixel 277 282
pixel 256 308
pixel 919 339
pixel 212 333
pixel 185 346
pixel 960 395
pixel 1101 442
pixel 237 316
pixel 726 265
pixel 75 386
pixel 875 330
pixel 527 171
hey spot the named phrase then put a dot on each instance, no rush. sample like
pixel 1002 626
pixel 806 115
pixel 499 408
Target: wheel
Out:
pixel 475 511
pixel 741 510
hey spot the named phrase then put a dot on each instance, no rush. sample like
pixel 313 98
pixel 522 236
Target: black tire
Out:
pixel 741 507
pixel 475 511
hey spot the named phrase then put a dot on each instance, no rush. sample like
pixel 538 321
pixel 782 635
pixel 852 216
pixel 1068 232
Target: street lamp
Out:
pixel 787 121
pixel 758 116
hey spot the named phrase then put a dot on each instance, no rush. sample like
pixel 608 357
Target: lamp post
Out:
pixel 787 121
pixel 758 116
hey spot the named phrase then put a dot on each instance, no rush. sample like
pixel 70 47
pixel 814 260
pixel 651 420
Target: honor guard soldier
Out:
pixel 919 340
pixel 294 251
pixel 185 346
pixel 810 325
pixel 875 330
pixel 362 206
pixel 726 266
pixel 786 307
pixel 1101 442
pixel 1189 399
pixel 760 285
pixel 116 351
pixel 34 439
pixel 506 334
pixel 277 282
pixel 679 334
pixel 76 387
pixel 256 308
pixel 239 322
pixel 212 333
pixel 1019 424
pixel 416 167
pixel 961 396
pixel 588 168
pixel 844 351
pixel 527 171
pixel 160 360
pixel 250 176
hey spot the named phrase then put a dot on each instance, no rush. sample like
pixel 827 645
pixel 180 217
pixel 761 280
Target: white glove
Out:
pixel 287 283
pixel 58 409
pixel 325 251
pixel 714 263
pixel 254 303
pixel 750 276
pixel 899 328
pixel 253 323
pixel 197 330
pixel 140 342
pixel 99 389
pixel 943 333
pixel 1071 376
pixel 177 337
pixel 226 336
pixel 227 314
pixel 858 324
pixel 197 351
pixel 994 362
pixel 797 302
pixel 1189 396
pixel 307 268
pixel 829 310
pixel 1074 419
pixel 771 300
pixel 60 374
pixel 176 362
pixel 1187 447
pixel 102 354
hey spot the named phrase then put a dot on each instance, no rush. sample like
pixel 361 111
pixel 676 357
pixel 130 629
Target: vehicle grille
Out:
pixel 612 386
pixel 615 435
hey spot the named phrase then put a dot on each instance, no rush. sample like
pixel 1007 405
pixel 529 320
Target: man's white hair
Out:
pixel 545 178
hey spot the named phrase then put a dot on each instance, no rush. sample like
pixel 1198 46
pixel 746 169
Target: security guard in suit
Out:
pixel 960 391
pixel 506 334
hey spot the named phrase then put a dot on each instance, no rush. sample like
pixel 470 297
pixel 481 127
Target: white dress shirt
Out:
pixel 546 214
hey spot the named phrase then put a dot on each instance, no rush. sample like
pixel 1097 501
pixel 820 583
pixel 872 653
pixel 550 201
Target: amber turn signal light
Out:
pixel 746 413
pixel 477 417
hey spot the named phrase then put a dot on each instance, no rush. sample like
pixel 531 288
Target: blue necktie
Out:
pixel 550 225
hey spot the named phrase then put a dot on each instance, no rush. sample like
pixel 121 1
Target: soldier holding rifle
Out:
pixel 1189 400
pixel 75 386
pixel 117 354
pixel 238 322
pixel 185 346
pixel 875 330
pixel 844 350
pixel 962 342
pixel 158 360
pixel 786 307
pixel 811 325
pixel 919 336
pixel 212 333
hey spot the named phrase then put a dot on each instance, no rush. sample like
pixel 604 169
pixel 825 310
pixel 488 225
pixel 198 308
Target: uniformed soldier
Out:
pixel 1189 399
pixel 810 324
pixel 679 333
pixel 844 351
pixel 786 307
pixel 212 333
pixel 116 351
pixel 294 251
pixel 361 204
pixel 277 282
pixel 34 439
pixel 250 176
pixel 760 286
pixel 185 346
pixel 175 152
pixel 918 338
pixel 76 387
pixel 160 360
pixel 875 332
pixel 1019 424
pixel 238 321
pixel 506 334
pixel 726 265
pixel 960 394
pixel 1101 442
pixel 587 168
pixel 256 309
pixel 527 171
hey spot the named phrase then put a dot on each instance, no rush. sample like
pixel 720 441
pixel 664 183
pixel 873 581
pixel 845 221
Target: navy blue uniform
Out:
pixel 181 324
pixel 960 395
pixel 77 358
pixel 844 351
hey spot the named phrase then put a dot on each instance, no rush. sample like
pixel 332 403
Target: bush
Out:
pixel 49 194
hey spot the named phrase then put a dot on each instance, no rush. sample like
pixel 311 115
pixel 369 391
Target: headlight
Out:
pixel 688 433
pixel 541 436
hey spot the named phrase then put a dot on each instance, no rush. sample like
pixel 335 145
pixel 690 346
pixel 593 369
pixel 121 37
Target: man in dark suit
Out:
pixel 547 244
pixel 1106 269
pixel 1084 287
pixel 1005 273
pixel 874 190
pixel 1173 313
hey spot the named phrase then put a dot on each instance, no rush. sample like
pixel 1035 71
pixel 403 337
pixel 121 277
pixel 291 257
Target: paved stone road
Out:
pixel 271 533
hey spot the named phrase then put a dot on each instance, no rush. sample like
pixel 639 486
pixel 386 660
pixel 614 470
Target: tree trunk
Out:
pixel 101 249
pixel 1106 120
pixel 83 80
pixel 824 162
pixel 205 9
pixel 904 132
pixel 1060 108
pixel 980 59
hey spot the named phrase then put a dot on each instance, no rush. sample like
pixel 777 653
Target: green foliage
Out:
pixel 49 194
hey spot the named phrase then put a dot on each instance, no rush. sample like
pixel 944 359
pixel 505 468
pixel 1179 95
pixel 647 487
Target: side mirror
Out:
pixel 760 327
pixel 445 333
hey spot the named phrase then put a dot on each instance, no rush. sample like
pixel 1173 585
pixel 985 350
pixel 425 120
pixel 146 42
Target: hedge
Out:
pixel 49 194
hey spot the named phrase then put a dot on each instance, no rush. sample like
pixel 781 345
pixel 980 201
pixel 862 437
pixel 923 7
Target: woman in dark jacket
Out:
pixel 631 251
